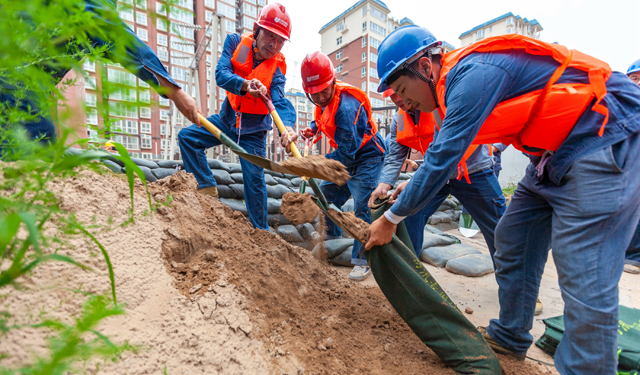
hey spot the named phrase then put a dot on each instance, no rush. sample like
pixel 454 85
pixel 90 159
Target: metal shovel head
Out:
pixel 273 166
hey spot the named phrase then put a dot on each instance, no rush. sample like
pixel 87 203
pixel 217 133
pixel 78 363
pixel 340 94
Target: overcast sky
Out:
pixel 608 30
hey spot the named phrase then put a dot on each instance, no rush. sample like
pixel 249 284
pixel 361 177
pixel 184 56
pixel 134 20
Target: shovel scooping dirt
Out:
pixel 318 166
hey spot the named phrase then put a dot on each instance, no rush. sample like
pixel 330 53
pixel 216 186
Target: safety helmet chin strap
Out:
pixel 430 81
pixel 309 96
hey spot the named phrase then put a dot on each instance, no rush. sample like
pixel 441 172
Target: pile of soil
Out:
pixel 317 166
pixel 299 208
pixel 208 294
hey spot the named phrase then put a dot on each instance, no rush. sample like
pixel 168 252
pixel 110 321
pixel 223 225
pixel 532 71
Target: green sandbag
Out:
pixel 426 308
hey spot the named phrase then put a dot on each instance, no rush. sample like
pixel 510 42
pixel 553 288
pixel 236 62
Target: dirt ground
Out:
pixel 208 294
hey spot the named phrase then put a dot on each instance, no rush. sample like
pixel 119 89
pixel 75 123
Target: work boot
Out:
pixel 497 347
pixel 538 310
pixel 212 191
pixel 630 268
pixel 359 273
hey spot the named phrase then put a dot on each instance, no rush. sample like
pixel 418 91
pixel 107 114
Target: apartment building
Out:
pixel 507 23
pixel 141 115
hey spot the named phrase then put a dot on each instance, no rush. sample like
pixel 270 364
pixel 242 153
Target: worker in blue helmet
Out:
pixel 580 124
pixel 634 72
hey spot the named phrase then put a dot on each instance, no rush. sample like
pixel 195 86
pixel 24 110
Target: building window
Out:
pixel 302 122
pixel 230 26
pixel 339 41
pixel 89 66
pixel 364 56
pixel 145 127
pixel 145 112
pixel 141 18
pixel 378 14
pixel 146 155
pixel 490 28
pixel 146 141
pixel 309 116
pixel 162 25
pixel 163 54
pixel 122 77
pixel 250 10
pixel 161 9
pixel 164 115
pixel 364 10
pixel 340 26
pixel 247 22
pixel 145 96
pixel 262 2
pixel 364 41
pixel 374 88
pixel 164 102
pixel 162 40
pixel 130 143
pixel 339 55
pixel 179 73
pixel 509 21
pixel 125 126
pixel 208 16
pixel 90 83
pixel 363 86
pixel 142 83
pixel 373 72
pixel 374 42
pixel 364 26
pixel 228 11
pixel 338 70
pixel 377 29
pixel 142 34
pixel 126 14
pixel 91 100
pixel 509 30
pixel 163 130
pixel 92 117
pixel 209 3
pixel 300 108
pixel 142 4
pixel 480 34
pixel 363 72
pixel 373 57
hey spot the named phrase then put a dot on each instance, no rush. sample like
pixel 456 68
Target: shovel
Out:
pixel 258 160
pixel 294 150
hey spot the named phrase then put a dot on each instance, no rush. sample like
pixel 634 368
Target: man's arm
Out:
pixel 468 106
pixel 395 157
pixel 225 77
pixel 346 135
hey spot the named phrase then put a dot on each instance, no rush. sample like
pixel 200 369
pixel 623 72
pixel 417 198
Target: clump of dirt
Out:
pixel 317 166
pixel 299 208
pixel 352 224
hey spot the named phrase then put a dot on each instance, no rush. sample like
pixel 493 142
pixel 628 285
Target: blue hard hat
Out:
pixel 635 67
pixel 398 47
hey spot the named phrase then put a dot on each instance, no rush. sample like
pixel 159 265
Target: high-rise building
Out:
pixel 143 117
pixel 505 24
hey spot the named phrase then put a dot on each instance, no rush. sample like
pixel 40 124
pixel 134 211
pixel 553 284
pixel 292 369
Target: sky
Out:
pixel 608 30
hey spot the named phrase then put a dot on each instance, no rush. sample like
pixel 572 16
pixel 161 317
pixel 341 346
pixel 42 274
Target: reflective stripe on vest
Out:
pixel 542 119
pixel 326 121
pixel 242 62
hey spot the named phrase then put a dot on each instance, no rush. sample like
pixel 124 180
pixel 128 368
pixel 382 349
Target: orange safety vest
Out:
pixel 419 137
pixel 542 119
pixel 242 62
pixel 326 121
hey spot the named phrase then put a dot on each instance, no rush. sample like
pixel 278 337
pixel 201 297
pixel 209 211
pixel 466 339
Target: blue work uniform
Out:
pixel 584 204
pixel 252 135
pixel 139 59
pixel 482 197
pixel 363 163
pixel 497 157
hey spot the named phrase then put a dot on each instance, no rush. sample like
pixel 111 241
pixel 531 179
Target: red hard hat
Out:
pixel 275 18
pixel 317 72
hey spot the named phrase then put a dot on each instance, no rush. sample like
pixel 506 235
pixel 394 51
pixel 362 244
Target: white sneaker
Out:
pixel 359 273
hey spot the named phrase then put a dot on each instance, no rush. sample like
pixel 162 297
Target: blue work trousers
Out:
pixel 588 220
pixel 193 143
pixel 42 126
pixel 482 198
pixel 632 255
pixel 364 179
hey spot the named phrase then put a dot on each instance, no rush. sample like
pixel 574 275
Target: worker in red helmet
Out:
pixel 343 114
pixel 250 64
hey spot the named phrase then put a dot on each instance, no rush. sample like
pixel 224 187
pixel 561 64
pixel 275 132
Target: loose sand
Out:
pixel 299 208
pixel 208 294
pixel 317 166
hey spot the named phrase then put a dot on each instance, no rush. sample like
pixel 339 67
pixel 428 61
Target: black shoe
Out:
pixel 497 348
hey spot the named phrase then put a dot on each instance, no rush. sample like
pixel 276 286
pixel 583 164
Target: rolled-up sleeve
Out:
pixel 396 156
pixel 473 91
pixel 225 77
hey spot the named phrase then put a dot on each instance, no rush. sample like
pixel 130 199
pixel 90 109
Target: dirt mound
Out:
pixel 208 294
pixel 321 167
pixel 299 208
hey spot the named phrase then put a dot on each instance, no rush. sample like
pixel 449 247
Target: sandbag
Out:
pixel 170 163
pixel 217 164
pixel 404 176
pixel 225 191
pixel 344 258
pixel 273 174
pixel 111 165
pixel 284 181
pixel 296 181
pixel 289 233
pixel 273 205
pixel 237 177
pixel 348 206
pixel 145 163
pixel 305 230
pixel 432 229
pixel 234 168
pixel 147 173
pixel 236 205
pixel 439 217
pixel 107 156
pixel 277 191
pixel 277 220
pixel 271 230
pixel 426 308
pixel 439 255
pixel 270 180
pixel 222 177
pixel 337 246
pixel 238 189
pixel 474 265
pixel 161 173
pixel 431 240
